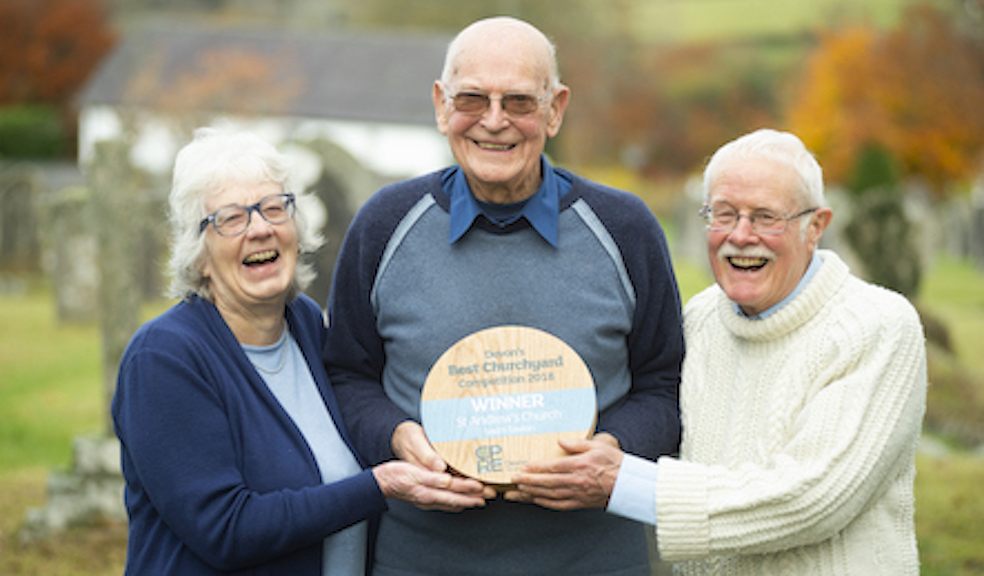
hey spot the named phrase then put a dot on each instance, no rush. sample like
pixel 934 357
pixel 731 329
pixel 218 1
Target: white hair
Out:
pixel 214 159
pixel 784 148
pixel 457 44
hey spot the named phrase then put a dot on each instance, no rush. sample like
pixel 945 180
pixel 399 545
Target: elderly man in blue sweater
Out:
pixel 504 238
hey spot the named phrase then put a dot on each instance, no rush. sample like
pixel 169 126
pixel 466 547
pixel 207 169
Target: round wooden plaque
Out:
pixel 502 397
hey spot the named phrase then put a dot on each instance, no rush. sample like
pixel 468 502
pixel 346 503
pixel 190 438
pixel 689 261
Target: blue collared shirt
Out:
pixel 541 210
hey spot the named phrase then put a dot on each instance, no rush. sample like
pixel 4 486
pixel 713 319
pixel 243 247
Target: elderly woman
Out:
pixel 234 455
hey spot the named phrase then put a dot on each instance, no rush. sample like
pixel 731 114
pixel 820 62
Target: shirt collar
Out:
pixel 811 271
pixel 542 210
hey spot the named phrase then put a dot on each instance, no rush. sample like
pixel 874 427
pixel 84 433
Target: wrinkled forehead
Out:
pixel 757 179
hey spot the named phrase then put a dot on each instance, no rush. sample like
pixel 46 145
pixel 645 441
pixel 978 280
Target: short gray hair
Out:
pixel 212 159
pixel 782 147
pixel 455 46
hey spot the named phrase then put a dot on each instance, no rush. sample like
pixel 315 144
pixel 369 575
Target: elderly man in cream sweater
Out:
pixel 802 397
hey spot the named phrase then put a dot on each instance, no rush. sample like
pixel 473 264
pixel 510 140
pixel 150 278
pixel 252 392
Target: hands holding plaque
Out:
pixel 513 403
pixel 504 397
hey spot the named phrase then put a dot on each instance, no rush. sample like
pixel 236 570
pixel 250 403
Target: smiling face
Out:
pixel 500 152
pixel 250 273
pixel 758 271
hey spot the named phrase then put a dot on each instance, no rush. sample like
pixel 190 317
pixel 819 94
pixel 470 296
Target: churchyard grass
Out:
pixel 50 392
pixel 50 382
pixel 949 509
pixel 955 291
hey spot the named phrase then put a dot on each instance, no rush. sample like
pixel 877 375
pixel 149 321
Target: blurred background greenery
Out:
pixel 887 93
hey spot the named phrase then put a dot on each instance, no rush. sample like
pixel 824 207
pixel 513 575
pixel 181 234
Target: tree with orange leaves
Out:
pixel 49 47
pixel 915 92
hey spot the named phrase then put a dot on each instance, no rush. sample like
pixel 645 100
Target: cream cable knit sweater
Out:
pixel 798 454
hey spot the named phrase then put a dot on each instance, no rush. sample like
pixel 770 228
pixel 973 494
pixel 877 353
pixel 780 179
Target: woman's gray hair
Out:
pixel 213 159
pixel 766 144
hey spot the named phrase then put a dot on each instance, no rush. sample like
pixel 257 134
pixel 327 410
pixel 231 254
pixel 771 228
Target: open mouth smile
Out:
pixel 494 147
pixel 260 258
pixel 747 263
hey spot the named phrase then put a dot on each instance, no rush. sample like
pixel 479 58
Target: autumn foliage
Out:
pixel 49 47
pixel 915 92
pixel 662 110
pixel 229 79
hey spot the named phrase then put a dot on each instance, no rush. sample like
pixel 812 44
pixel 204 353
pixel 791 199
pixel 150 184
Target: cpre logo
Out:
pixel 489 458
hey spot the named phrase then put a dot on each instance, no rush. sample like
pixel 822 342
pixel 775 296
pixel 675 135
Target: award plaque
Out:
pixel 500 398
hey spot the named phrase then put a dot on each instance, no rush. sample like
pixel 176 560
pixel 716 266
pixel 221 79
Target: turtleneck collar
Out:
pixel 827 280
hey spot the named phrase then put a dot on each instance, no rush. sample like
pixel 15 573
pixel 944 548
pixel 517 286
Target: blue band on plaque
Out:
pixel 524 414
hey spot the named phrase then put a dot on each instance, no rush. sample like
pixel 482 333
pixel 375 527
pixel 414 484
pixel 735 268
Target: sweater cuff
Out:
pixel 683 528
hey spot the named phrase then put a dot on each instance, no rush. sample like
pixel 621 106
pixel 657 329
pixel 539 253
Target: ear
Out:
pixel 441 111
pixel 558 105
pixel 821 219
pixel 204 261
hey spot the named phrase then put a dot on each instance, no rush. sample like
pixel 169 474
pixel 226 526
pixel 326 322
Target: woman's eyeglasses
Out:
pixel 234 219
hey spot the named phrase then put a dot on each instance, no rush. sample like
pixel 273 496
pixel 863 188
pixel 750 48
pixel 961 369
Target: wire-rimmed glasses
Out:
pixel 725 218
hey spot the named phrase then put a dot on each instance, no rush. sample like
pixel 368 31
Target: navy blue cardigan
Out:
pixel 218 477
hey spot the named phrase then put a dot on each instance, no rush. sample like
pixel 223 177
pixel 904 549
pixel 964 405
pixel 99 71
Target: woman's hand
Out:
pixel 427 489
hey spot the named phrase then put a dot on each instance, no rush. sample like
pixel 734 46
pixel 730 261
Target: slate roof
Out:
pixel 337 75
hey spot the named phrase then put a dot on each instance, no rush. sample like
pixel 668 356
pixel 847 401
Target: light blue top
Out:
pixel 285 372
pixel 811 270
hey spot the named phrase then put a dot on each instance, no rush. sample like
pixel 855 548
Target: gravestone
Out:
pixel 93 487
pixel 976 241
pixel 71 253
pixel 91 491
pixel 19 245
pixel 342 184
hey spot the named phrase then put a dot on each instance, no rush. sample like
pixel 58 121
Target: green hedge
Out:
pixel 31 132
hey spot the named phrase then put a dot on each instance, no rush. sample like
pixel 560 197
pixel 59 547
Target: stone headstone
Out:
pixel 70 246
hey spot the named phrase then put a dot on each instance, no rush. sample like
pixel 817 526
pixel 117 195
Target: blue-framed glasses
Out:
pixel 234 219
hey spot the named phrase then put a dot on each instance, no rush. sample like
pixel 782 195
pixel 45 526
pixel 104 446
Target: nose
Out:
pixel 257 224
pixel 742 234
pixel 495 117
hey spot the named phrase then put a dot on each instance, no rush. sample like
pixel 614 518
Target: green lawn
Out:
pixel 51 382
pixel 955 292
pixel 50 392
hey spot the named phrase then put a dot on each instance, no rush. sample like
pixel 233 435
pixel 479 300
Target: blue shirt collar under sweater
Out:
pixel 541 210
pixel 811 271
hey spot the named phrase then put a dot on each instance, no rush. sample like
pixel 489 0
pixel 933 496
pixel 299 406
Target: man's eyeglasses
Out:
pixel 478 103
pixel 724 218
pixel 234 219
